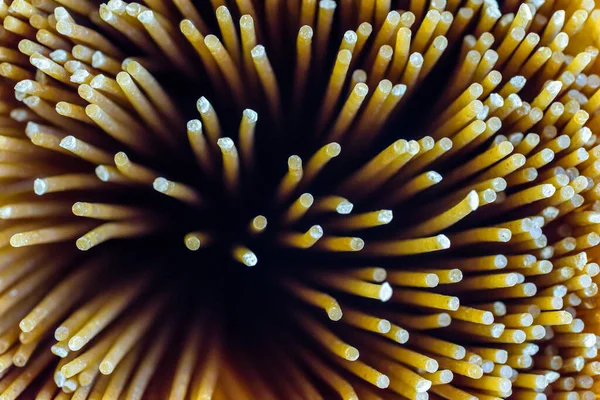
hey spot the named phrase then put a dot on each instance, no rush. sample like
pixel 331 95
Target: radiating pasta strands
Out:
pixel 434 233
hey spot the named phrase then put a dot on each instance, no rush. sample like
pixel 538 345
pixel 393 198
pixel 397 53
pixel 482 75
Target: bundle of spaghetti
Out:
pixel 434 232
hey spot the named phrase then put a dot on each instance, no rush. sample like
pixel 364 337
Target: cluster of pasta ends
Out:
pixel 434 233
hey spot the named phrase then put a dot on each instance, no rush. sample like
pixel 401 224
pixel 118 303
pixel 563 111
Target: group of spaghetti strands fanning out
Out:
pixel 299 199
